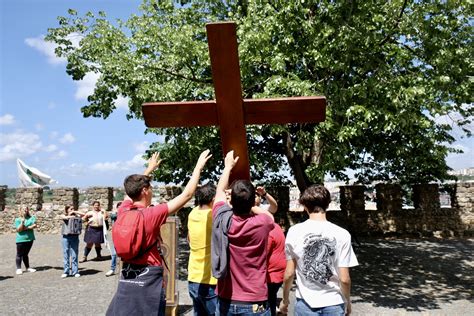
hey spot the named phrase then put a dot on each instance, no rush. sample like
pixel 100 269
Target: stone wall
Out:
pixel 31 197
pixel 105 196
pixel 3 197
pixel 427 218
pixel 63 197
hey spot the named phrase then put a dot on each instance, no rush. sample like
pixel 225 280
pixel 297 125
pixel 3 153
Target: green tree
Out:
pixel 387 68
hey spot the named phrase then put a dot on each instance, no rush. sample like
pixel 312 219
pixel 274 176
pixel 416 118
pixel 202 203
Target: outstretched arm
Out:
pixel 178 202
pixel 271 200
pixel 229 163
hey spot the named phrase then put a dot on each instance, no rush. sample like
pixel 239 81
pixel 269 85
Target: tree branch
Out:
pixel 397 22
pixel 193 79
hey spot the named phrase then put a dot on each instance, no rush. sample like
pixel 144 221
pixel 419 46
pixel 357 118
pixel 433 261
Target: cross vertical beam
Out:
pixel 226 78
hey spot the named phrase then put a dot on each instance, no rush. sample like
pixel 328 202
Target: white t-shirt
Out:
pixel 320 248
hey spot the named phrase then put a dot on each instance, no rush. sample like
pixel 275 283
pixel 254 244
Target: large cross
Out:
pixel 229 111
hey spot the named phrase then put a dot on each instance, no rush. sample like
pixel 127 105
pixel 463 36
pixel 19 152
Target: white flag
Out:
pixel 32 177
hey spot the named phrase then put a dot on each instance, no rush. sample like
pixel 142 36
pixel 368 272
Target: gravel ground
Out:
pixel 395 277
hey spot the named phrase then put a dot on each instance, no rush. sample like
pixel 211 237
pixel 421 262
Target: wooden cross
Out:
pixel 229 111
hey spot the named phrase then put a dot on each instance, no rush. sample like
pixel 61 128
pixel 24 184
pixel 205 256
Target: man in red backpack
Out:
pixel 140 290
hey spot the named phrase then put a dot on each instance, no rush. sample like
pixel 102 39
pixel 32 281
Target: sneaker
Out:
pixel 19 271
pixel 83 259
pixel 77 275
pixel 64 275
pixel 31 270
pixel 109 273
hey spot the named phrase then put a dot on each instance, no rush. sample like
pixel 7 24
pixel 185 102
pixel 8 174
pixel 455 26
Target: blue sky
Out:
pixel 40 118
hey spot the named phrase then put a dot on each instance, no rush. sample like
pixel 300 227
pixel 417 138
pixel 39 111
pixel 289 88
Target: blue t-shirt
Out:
pixel 26 235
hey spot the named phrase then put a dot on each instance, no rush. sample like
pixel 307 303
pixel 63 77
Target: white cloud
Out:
pixel 59 155
pixel 74 170
pixel 86 86
pixel 47 48
pixel 141 147
pixel 50 148
pixel 53 135
pixel 122 103
pixel 135 163
pixel 7 119
pixel 18 144
pixel 67 139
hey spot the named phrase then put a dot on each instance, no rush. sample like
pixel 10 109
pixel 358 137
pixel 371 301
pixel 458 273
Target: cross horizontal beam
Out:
pixel 256 111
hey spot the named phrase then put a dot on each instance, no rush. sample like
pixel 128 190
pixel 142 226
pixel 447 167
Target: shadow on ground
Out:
pixel 46 268
pixel 183 309
pixel 415 276
pixel 85 271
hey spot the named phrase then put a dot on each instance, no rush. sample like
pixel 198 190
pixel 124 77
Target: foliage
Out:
pixel 389 70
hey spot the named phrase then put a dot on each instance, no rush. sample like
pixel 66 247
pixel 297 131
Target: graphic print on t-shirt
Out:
pixel 317 258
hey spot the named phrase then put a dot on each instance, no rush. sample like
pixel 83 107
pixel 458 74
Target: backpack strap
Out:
pixel 157 242
pixel 160 251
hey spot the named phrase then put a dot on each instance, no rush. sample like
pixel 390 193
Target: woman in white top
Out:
pixel 94 232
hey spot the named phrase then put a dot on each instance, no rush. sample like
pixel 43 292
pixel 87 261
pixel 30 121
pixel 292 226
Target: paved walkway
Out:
pixel 395 277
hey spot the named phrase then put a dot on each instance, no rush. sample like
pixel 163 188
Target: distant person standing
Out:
pixel 201 284
pixel 321 254
pixel 113 254
pixel 70 230
pixel 24 225
pixel 94 234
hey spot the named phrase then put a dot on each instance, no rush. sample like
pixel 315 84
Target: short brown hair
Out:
pixel 242 196
pixel 134 184
pixel 315 198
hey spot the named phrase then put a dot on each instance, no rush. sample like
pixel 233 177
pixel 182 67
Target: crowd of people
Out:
pixel 239 257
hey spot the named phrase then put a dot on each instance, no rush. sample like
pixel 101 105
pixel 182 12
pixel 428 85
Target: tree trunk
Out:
pixel 296 163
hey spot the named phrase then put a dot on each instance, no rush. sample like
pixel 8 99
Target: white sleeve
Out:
pixel 289 245
pixel 347 257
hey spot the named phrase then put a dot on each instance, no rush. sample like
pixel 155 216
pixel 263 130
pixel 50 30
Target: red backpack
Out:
pixel 128 233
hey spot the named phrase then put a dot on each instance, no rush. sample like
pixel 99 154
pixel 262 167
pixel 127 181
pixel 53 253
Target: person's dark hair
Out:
pixel 67 208
pixel 315 198
pixel 118 204
pixel 205 194
pixel 134 184
pixel 93 203
pixel 242 196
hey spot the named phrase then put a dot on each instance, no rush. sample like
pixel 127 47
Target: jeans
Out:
pixel 204 298
pixel 272 296
pixel 70 251
pixel 225 308
pixel 113 255
pixel 303 309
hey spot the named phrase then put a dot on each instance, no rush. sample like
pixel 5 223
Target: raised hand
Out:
pixel 153 163
pixel 203 158
pixel 229 160
pixel 261 191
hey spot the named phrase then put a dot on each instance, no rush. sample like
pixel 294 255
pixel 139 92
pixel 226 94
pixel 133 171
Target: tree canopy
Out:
pixel 389 70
